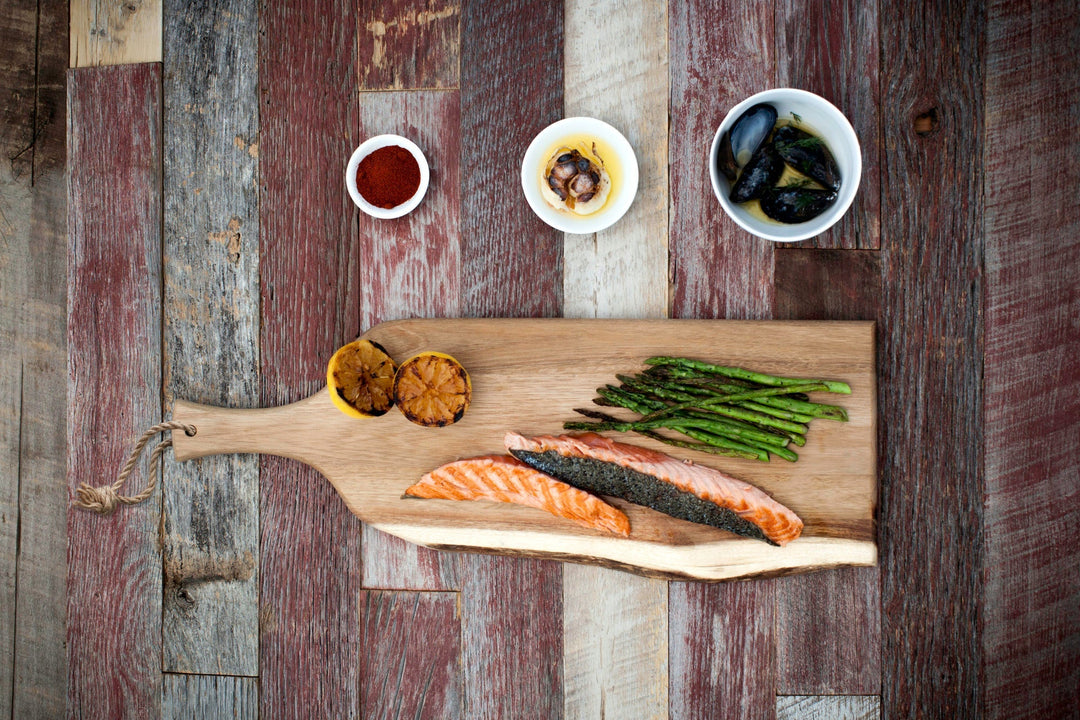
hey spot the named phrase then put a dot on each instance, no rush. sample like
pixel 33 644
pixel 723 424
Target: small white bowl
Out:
pixel 371 145
pixel 623 188
pixel 820 116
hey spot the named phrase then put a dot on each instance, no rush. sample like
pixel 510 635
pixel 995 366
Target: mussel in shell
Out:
pixel 761 173
pixel 809 155
pixel 575 180
pixel 795 204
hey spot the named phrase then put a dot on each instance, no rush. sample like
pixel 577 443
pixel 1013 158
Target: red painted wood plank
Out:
pixel 411 662
pixel 405 47
pixel 828 624
pixel 511 88
pixel 310 574
pixel 413 269
pixel 511 265
pixel 720 636
pixel 931 504
pixel 1031 635
pixel 833 49
pixel 721 53
pixel 114 385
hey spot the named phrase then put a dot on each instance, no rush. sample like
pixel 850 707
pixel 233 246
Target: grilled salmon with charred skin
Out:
pixel 645 477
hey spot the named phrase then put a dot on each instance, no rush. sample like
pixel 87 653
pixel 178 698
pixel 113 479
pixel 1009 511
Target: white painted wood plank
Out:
pixel 828 707
pixel 615 625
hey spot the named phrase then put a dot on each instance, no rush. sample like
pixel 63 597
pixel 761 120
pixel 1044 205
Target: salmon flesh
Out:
pixel 504 479
pixel 645 477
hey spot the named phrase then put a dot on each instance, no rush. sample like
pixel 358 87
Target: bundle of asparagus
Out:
pixel 713 408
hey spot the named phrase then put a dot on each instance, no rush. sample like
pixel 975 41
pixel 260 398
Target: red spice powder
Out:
pixel 388 176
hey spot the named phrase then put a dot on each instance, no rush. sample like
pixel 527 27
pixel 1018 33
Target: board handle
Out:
pixel 224 431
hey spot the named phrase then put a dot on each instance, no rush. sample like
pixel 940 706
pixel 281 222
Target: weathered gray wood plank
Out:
pixel 33 242
pixel 1031 630
pixel 114 386
pixel 211 321
pixel 615 651
pixel 828 707
pixel 209 697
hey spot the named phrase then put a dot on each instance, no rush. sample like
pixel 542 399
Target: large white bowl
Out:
pixel 371 145
pixel 535 160
pixel 824 119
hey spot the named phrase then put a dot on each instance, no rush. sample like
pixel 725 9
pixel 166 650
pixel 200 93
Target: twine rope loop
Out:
pixel 105 499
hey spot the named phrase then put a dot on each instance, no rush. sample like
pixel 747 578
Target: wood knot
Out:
pixel 927 122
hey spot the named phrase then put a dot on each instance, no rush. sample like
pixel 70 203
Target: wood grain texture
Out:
pixel 406 47
pixel 721 645
pixel 209 697
pixel 511 88
pixel 113 33
pixel 511 266
pixel 411 662
pixel 721 53
pixel 828 707
pixel 210 615
pixel 33 241
pixel 412 268
pixel 1031 633
pixel 521 381
pixel 114 390
pixel 931 512
pixel 615 627
pixel 828 624
pixel 511 632
pixel 621 271
pixel 308 274
pixel 833 49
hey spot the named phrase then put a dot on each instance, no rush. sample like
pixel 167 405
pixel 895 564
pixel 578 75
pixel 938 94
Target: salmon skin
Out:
pixel 504 479
pixel 644 477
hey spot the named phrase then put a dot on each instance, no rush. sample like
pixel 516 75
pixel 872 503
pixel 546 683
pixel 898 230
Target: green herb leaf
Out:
pixel 796 116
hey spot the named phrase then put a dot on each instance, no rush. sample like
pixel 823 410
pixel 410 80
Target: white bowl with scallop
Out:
pixel 820 118
pixel 579 202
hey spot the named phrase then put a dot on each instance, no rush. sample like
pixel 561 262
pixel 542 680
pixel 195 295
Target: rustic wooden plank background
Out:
pixel 33 356
pixel 310 570
pixel 615 630
pixel 966 113
pixel 931 515
pixel 211 325
pixel 114 385
pixel 1031 600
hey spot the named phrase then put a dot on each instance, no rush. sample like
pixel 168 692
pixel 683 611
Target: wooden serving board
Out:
pixel 528 376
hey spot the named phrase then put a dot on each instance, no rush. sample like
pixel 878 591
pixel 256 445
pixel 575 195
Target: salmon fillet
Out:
pixel 646 477
pixel 504 479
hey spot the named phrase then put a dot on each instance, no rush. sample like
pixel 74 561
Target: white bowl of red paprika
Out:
pixel 387 176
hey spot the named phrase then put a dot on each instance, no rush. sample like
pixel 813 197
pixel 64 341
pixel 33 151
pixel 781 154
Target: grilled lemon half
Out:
pixel 360 379
pixel 432 389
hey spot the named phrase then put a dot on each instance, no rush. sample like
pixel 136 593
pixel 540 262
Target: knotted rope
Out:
pixel 106 498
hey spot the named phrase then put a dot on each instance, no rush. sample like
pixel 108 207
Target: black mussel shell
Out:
pixel 760 174
pixel 792 204
pixel 725 161
pixel 750 131
pixel 808 154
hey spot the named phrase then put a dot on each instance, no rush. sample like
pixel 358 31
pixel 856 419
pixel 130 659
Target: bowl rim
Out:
pixel 850 185
pixel 371 145
pixel 606 217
